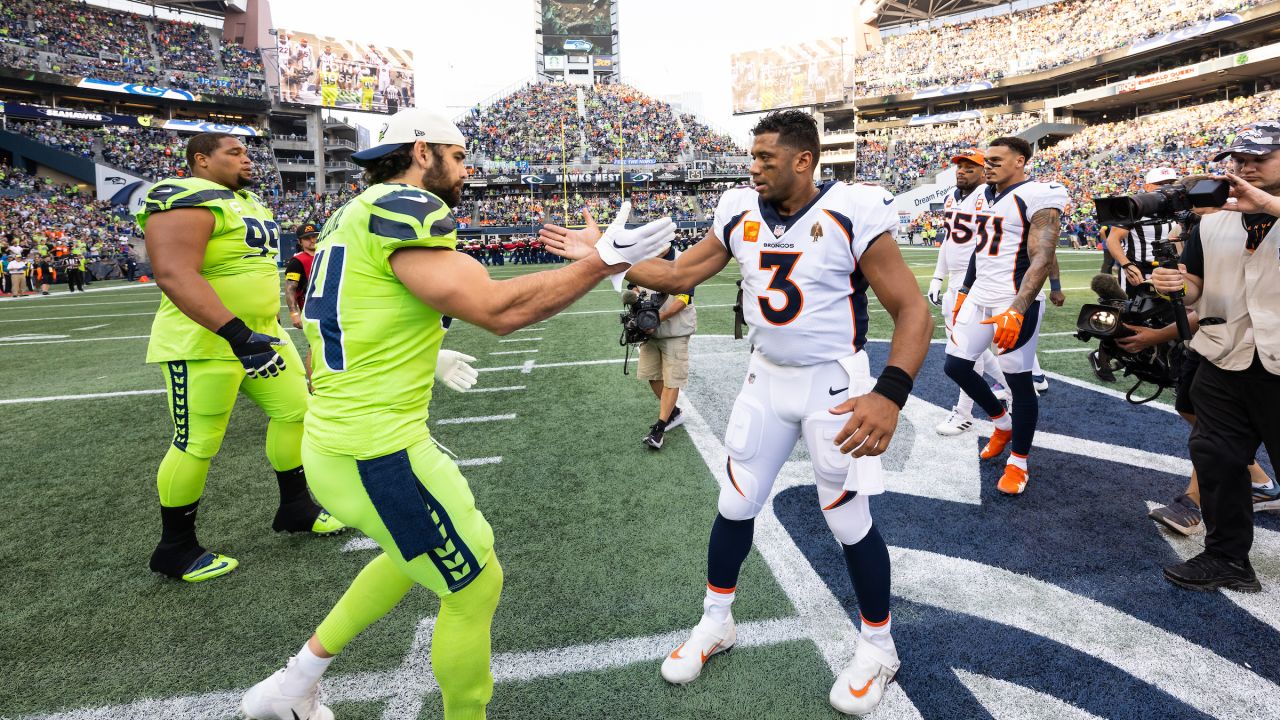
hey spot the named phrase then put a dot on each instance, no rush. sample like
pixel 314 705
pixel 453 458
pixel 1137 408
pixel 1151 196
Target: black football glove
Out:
pixel 256 351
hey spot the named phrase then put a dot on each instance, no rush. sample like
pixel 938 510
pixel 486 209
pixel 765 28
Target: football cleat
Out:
pixel 1040 383
pixel 1182 515
pixel 996 445
pixel 1266 497
pixel 1014 480
pixel 677 419
pixel 306 516
pixel 955 424
pixel 265 701
pixel 684 664
pixel 858 690
pixel 1002 393
pixel 209 566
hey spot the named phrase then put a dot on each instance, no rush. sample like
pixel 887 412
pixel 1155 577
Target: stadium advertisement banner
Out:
pixel 810 73
pixel 945 117
pixel 1219 23
pixel 133 89
pixel 581 27
pixel 120 188
pixel 589 178
pixel 1160 78
pixel 338 73
pixel 85 117
pixel 952 90
pixel 199 126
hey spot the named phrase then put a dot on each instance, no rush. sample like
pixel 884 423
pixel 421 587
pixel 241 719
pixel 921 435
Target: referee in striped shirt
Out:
pixel 1131 248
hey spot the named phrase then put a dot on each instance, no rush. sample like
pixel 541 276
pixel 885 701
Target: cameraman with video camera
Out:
pixel 664 356
pixel 1131 247
pixel 1230 273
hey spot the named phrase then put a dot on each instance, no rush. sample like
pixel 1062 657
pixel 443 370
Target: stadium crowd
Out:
pixel 990 48
pixel 615 121
pixel 75 38
pixel 900 158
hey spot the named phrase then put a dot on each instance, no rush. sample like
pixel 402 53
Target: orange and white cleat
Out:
pixel 1014 480
pixel 996 445
pixel 684 664
pixel 858 690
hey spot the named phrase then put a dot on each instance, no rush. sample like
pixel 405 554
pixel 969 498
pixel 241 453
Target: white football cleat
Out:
pixel 955 424
pixel 684 664
pixel 265 701
pixel 860 687
pixel 1002 394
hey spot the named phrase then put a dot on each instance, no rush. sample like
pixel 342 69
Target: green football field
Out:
pixel 603 541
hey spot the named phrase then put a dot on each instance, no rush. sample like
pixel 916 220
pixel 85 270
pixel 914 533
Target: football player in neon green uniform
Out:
pixel 213 249
pixel 385 282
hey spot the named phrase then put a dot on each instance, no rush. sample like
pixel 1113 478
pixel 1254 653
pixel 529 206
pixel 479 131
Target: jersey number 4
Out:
pixel 321 304
pixel 782 263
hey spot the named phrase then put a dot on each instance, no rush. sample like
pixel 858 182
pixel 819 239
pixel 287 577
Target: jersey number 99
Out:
pixel 262 236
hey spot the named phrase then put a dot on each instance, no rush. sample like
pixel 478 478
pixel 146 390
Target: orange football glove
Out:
pixel 960 296
pixel 1008 327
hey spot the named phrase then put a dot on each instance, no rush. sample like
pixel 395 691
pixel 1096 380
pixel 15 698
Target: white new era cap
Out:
pixel 1161 174
pixel 408 126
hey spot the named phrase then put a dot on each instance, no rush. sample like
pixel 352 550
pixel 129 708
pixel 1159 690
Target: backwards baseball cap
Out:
pixel 974 156
pixel 1259 139
pixel 408 126
pixel 308 229
pixel 1158 175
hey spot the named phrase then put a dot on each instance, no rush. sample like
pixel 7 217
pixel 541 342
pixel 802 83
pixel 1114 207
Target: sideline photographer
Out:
pixel 1230 272
pixel 664 358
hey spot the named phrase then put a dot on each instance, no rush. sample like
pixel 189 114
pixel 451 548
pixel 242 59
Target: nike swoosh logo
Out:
pixel 295 715
pixel 675 654
pixel 706 655
pixel 833 391
pixel 213 568
pixel 865 689
pixel 620 247
pixel 417 198
pixel 888 201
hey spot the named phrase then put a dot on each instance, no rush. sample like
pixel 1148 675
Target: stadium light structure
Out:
pixel 891 13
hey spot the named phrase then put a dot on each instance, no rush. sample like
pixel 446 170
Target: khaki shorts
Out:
pixel 665 359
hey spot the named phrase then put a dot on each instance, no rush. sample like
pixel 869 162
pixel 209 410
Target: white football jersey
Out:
pixel 1001 228
pixel 804 295
pixel 957 215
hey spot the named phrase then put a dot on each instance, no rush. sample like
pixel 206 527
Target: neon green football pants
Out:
pixel 418 507
pixel 201 395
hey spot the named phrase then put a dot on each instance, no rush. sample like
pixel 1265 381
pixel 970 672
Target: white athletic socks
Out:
pixel 878 635
pixel 1018 461
pixel 303 673
pixel 1004 422
pixel 717 604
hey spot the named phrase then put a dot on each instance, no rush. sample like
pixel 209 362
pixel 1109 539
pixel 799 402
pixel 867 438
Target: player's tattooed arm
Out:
pixel 1046 226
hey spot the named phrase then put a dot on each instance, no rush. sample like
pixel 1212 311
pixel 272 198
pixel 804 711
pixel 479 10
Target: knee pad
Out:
pixel 740 499
pixel 746 428
pixel 849 518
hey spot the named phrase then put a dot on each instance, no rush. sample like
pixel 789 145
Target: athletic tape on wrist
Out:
pixel 895 384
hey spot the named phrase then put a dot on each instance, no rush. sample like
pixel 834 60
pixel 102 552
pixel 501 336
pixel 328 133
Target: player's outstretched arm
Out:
pixel 176 242
pixel 694 266
pixel 873 417
pixel 457 285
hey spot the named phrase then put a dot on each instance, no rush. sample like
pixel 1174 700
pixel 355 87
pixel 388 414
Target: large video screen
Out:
pixel 331 72
pixel 577 27
pixel 810 73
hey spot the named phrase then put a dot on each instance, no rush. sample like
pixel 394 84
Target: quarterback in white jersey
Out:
pixel 1016 224
pixel 807 254
pixel 954 256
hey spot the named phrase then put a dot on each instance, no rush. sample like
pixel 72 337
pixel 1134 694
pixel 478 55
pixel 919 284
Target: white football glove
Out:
pixel 935 291
pixel 620 246
pixel 452 370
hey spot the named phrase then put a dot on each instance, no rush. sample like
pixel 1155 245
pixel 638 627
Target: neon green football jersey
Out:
pixel 374 344
pixel 239 262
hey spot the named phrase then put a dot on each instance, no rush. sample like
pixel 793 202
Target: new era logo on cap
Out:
pixel 408 126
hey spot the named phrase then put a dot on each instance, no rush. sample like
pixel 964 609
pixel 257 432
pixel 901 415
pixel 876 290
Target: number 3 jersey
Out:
pixel 1000 227
pixel 803 292
pixel 239 262
pixel 374 343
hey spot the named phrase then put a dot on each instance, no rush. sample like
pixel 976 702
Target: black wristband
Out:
pixel 895 384
pixel 235 331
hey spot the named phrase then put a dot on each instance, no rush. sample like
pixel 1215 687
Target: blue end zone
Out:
pixel 1081 526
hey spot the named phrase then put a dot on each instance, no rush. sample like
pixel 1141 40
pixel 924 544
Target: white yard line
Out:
pixel 75 317
pixel 539 328
pixel 508 388
pixel 41 298
pixel 88 396
pixel 1067 350
pixel 474 462
pixel 75 340
pixel 49 306
pixel 515 340
pixel 90 327
pixel 514 352
pixel 477 419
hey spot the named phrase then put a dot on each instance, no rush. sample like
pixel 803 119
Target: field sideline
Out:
pixel 604 543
